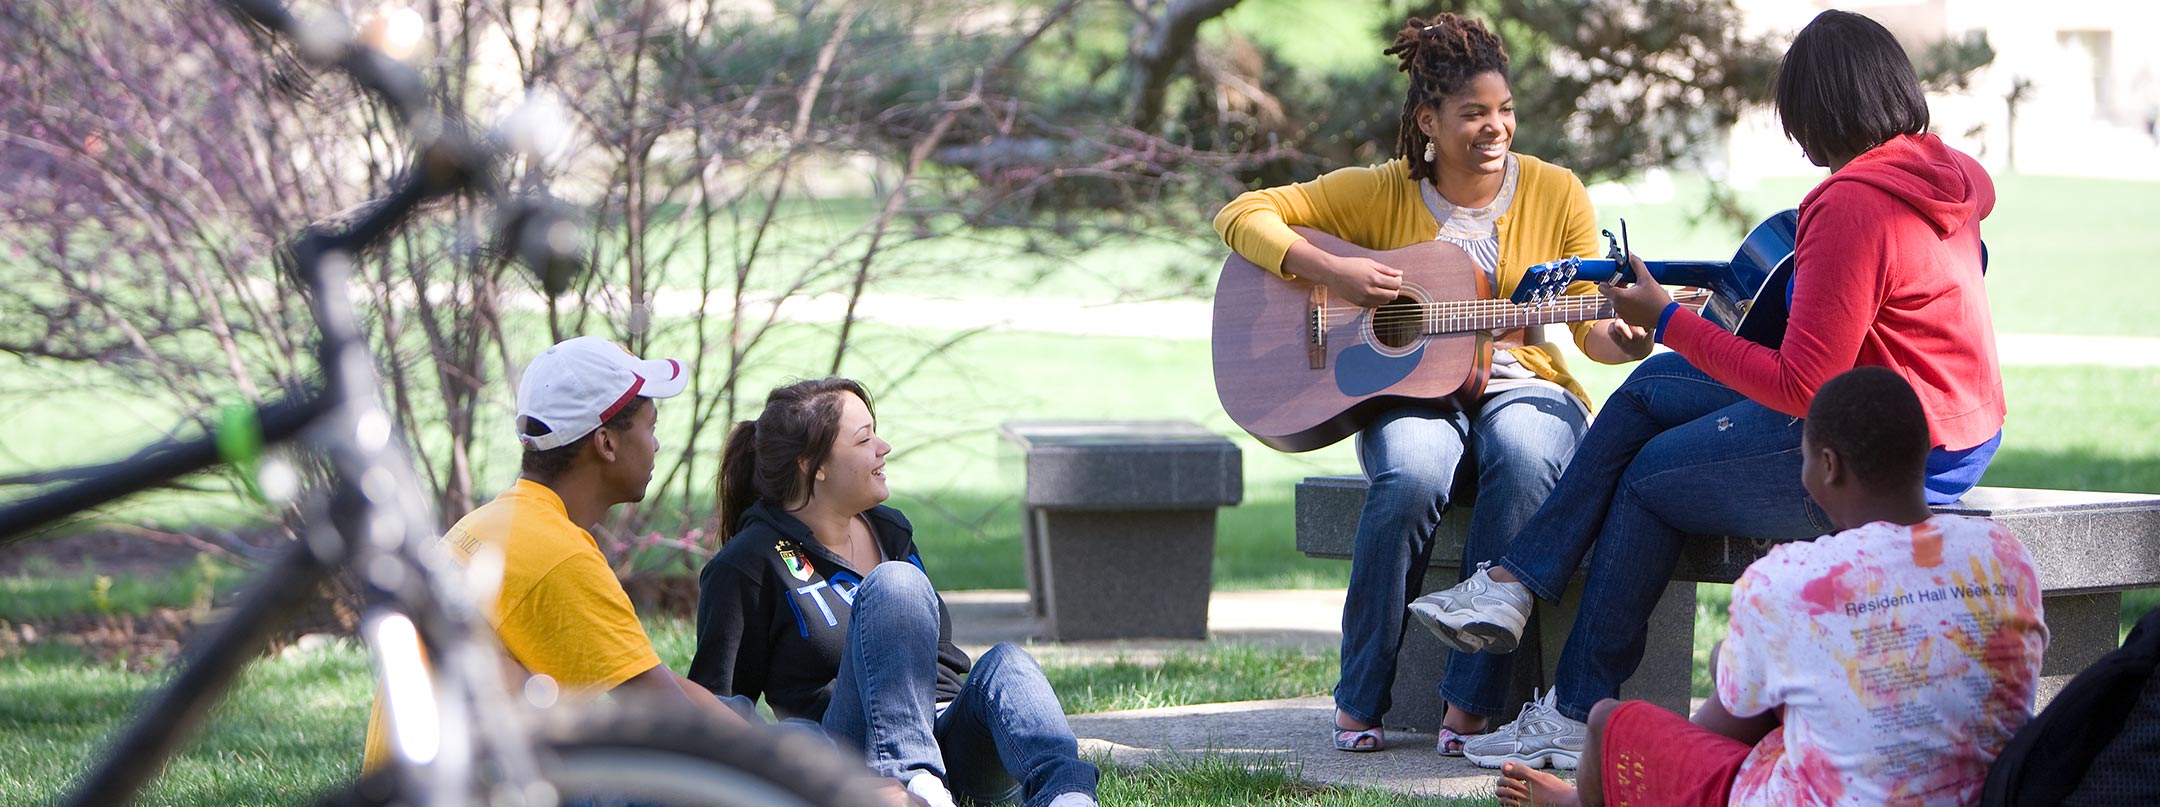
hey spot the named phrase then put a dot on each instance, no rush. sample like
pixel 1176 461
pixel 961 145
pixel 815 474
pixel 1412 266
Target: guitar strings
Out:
pixel 1454 311
pixel 1459 307
pixel 1464 304
pixel 1538 316
pixel 1457 310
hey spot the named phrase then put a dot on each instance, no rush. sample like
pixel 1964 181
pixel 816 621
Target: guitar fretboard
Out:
pixel 1494 315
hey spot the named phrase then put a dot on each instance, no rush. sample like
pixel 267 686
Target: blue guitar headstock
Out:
pixel 1545 282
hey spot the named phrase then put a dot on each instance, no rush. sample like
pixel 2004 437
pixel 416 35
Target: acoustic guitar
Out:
pixel 1300 369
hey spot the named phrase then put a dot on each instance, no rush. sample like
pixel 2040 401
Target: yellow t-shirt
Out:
pixel 560 612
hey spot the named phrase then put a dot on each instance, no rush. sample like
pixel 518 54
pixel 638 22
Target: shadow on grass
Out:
pixel 1210 780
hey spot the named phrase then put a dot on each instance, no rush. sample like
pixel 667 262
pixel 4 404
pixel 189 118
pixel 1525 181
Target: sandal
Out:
pixel 1451 742
pixel 1372 739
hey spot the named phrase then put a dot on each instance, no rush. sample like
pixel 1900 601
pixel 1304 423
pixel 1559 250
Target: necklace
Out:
pixel 857 555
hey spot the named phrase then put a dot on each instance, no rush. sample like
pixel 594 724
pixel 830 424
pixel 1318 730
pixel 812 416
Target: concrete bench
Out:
pixel 1119 524
pixel 2089 548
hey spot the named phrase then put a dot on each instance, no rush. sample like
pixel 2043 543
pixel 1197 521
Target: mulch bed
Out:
pixel 140 643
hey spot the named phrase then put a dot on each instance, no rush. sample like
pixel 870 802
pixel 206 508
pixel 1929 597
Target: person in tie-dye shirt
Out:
pixel 1886 664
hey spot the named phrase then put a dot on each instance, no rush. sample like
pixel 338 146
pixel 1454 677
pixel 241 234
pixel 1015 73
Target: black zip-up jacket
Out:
pixel 773 608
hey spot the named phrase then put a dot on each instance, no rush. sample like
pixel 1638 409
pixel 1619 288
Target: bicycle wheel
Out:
pixel 653 757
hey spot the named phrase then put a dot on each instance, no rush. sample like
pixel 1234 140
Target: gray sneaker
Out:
pixel 1477 615
pixel 1540 737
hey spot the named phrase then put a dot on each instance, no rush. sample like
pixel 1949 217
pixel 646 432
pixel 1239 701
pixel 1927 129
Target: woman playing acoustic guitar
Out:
pixel 1455 180
pixel 1706 440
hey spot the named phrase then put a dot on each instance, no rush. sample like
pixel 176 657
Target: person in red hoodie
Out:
pixel 1705 439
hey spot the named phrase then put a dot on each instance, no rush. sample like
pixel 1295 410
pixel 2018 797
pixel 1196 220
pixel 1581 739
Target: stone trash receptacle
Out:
pixel 1119 524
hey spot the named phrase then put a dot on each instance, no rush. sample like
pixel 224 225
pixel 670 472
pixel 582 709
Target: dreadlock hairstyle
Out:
pixel 774 457
pixel 1441 55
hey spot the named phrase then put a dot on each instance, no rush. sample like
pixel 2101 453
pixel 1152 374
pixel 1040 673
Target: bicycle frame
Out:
pixel 375 520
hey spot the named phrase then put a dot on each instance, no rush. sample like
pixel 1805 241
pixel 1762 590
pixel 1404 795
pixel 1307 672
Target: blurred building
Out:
pixel 2090 71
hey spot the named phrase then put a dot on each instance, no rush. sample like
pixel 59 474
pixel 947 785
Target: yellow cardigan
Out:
pixel 1381 208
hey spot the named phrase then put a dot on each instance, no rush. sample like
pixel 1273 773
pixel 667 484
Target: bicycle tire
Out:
pixel 643 755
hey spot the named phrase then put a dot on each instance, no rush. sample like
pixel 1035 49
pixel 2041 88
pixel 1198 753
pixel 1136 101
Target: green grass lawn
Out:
pixel 56 707
pixel 290 731
pixel 1214 781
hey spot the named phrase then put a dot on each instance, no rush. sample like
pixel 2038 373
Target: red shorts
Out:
pixel 1654 758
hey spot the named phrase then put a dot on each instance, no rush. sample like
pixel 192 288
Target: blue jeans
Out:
pixel 1672 453
pixel 1004 739
pixel 1521 440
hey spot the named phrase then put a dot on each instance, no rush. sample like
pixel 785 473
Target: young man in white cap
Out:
pixel 585 417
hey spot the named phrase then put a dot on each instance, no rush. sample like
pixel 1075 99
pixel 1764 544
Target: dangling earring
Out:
pixel 1431 153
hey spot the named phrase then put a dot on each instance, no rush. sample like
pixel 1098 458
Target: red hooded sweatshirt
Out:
pixel 1887 274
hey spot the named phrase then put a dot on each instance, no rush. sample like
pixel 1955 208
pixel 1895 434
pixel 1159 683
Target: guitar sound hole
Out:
pixel 1396 324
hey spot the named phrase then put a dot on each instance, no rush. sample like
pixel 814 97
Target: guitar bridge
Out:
pixel 1316 329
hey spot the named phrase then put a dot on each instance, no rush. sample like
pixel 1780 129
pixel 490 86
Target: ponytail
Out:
pixel 738 476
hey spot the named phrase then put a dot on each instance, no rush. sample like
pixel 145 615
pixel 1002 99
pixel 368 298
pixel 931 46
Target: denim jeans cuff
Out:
pixel 1531 581
pixel 1569 710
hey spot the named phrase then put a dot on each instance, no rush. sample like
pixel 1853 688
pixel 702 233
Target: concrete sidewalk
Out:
pixel 1293 734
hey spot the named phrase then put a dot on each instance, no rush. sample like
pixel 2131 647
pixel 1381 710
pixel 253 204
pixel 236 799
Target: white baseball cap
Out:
pixel 577 385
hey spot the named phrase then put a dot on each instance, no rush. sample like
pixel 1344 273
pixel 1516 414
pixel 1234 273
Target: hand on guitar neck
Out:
pixel 1638 304
pixel 1359 281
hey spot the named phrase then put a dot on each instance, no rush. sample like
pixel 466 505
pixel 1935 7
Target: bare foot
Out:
pixel 1523 786
pixel 897 795
pixel 1345 722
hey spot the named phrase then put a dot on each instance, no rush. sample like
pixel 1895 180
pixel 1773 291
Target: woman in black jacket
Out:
pixel 817 601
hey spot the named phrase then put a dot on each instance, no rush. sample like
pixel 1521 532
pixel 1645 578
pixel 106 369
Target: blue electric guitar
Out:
pixel 1747 293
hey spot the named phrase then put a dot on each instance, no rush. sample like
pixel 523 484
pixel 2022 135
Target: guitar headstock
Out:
pixel 1545 282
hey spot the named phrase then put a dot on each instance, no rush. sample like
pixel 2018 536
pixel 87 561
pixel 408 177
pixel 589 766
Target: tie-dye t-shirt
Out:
pixel 1904 658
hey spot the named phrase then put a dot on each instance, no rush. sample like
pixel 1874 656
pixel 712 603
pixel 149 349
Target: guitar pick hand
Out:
pixel 1637 304
pixel 1358 281
pixel 1635 342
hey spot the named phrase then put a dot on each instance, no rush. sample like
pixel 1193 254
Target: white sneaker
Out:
pixel 1540 737
pixel 1477 615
